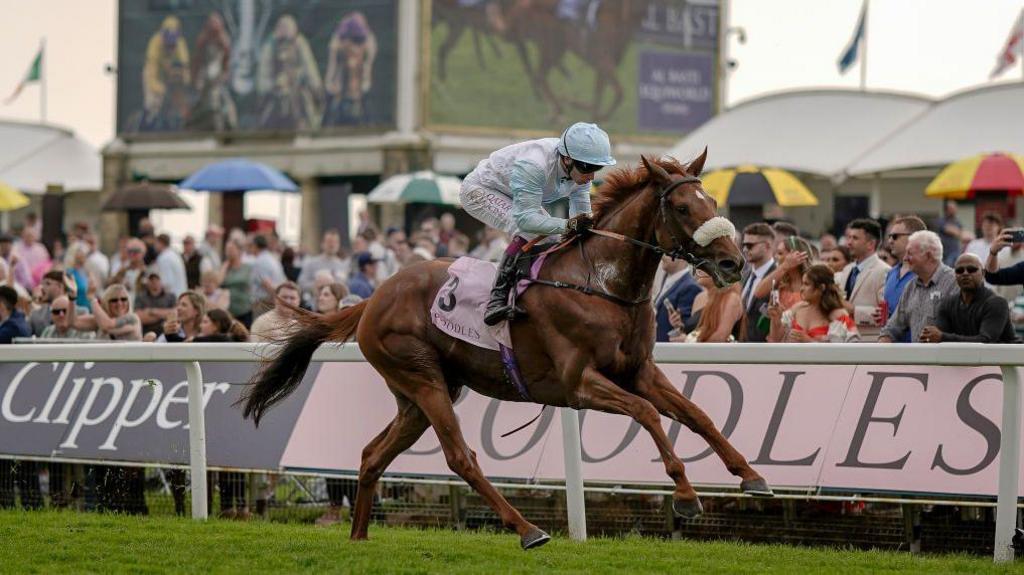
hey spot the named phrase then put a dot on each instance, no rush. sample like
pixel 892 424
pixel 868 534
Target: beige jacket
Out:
pixel 867 293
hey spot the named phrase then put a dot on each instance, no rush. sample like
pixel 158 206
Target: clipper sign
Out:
pixel 917 429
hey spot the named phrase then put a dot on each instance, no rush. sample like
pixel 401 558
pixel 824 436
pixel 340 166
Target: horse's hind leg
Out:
pixel 597 392
pixel 399 435
pixel 656 388
pixel 437 405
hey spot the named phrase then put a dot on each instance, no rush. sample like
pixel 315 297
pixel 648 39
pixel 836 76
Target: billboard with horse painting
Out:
pixel 247 65
pixel 637 67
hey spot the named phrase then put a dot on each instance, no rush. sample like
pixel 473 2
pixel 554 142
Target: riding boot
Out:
pixel 498 309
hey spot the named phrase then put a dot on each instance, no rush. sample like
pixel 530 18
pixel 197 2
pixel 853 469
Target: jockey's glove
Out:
pixel 579 224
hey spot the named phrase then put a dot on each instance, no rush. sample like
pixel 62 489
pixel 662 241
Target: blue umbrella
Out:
pixel 238 175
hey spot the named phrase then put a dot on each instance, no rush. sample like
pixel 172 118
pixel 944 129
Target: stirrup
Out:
pixel 506 313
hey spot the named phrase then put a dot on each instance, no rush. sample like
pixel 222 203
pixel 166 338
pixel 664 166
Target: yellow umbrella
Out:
pixel 11 199
pixel 755 186
pixel 997 172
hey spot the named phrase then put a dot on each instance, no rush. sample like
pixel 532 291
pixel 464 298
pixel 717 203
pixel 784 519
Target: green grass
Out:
pixel 71 542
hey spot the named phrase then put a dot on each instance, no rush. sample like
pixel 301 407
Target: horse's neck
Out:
pixel 623 268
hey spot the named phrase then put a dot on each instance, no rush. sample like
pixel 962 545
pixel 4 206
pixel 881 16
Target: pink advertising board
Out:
pixel 908 429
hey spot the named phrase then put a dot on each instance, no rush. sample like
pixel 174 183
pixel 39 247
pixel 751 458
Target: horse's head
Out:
pixel 689 226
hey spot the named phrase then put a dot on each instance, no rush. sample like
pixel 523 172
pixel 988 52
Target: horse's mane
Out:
pixel 623 183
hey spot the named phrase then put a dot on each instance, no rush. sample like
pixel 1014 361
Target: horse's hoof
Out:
pixel 757 488
pixel 688 509
pixel 534 539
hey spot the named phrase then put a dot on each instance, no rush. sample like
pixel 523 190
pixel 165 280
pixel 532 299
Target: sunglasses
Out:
pixel 966 270
pixel 751 245
pixel 585 168
pixel 895 236
pixel 59 311
pixel 118 300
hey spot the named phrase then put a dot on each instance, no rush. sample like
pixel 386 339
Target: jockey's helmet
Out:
pixel 586 144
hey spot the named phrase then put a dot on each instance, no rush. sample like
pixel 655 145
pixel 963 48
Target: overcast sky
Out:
pixel 931 47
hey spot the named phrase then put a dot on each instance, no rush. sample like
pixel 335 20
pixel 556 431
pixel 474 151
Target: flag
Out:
pixel 1013 49
pixel 852 50
pixel 34 74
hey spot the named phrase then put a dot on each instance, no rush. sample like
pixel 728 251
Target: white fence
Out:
pixel 1007 357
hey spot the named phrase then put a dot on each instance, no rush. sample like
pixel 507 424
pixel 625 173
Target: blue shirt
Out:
pixel 360 285
pixel 15 326
pixel 894 286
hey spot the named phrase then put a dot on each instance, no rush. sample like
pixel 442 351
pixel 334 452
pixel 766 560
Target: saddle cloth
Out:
pixel 459 307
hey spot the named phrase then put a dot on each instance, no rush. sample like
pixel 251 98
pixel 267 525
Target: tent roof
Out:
pixel 813 131
pixel 35 155
pixel 988 119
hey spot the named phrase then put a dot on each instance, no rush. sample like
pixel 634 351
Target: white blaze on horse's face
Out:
pixel 702 195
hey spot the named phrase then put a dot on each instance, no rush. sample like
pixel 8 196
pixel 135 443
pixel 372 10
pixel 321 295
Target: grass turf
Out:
pixel 70 542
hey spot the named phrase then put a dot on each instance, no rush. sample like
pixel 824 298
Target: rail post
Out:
pixel 573 455
pixel 197 440
pixel 1009 465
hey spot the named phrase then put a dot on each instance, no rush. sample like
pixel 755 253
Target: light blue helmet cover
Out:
pixel 586 143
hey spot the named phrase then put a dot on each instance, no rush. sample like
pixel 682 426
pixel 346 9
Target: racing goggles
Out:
pixel 585 168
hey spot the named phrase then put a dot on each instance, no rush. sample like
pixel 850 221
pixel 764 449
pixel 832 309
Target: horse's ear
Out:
pixel 697 166
pixel 658 174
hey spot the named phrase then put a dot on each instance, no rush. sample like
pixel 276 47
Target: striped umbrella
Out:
pixel 996 172
pixel 423 187
pixel 755 186
pixel 11 198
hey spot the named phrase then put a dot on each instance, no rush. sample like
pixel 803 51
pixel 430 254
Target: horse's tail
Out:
pixel 282 372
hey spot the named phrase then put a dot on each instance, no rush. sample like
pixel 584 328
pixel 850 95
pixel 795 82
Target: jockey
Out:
pixel 510 189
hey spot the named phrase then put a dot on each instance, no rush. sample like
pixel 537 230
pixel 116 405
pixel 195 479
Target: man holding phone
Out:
pixel 1012 275
pixel 676 295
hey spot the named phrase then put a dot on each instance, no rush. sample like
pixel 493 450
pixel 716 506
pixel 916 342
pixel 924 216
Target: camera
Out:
pixel 1017 235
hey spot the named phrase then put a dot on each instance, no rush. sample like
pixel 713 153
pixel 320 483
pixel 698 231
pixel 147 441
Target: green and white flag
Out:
pixel 34 74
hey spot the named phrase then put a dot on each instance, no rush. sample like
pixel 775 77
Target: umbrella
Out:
pixel 996 172
pixel 145 195
pixel 11 199
pixel 420 187
pixel 756 186
pixel 238 175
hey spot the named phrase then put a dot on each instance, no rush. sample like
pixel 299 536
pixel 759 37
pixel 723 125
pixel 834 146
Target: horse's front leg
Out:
pixel 600 393
pixel 654 386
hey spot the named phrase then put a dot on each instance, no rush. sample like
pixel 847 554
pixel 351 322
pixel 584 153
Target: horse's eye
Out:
pixel 683 209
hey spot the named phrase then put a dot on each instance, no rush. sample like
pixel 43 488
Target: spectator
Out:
pixel 950 232
pixel 863 280
pixel 54 285
pixel 886 256
pixel 819 317
pixel 77 254
pixel 267 273
pixel 991 225
pixel 837 258
pixel 34 254
pixel 673 303
pixel 217 325
pixel 193 261
pixel 133 273
pixel 62 325
pixel 210 248
pixel 717 315
pixel 493 245
pixel 12 320
pixel 97 263
pixel 329 297
pixel 782 231
pixel 183 324
pixel 361 283
pixel 976 314
pixel 395 247
pixel 22 275
pixel 793 256
pixel 120 257
pixel 291 267
pixel 458 245
pixel 237 279
pixel 153 303
pixel 112 316
pixel 209 286
pixel 327 260
pixel 918 305
pixel 757 250
pixel 900 276
pixel 276 323
pixel 171 266
pixel 827 242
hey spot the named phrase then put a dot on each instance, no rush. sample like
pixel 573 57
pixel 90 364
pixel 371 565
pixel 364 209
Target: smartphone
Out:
pixel 774 295
pixel 668 306
pixel 1017 235
pixel 173 316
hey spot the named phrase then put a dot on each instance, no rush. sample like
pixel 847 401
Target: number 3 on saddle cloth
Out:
pixel 461 302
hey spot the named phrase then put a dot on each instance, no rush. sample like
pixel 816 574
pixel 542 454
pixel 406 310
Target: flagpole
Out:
pixel 864 49
pixel 42 80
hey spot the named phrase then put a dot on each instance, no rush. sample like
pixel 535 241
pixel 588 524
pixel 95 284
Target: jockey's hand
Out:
pixel 579 224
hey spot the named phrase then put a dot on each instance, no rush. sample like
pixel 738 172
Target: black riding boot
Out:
pixel 498 309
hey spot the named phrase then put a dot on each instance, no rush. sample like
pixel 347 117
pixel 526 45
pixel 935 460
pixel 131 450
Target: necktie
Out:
pixel 748 290
pixel 852 280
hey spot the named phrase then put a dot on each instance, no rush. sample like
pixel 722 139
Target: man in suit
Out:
pixel 758 247
pixel 678 290
pixel 863 280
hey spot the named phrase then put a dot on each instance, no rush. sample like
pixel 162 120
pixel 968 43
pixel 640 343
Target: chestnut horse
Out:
pixel 580 350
